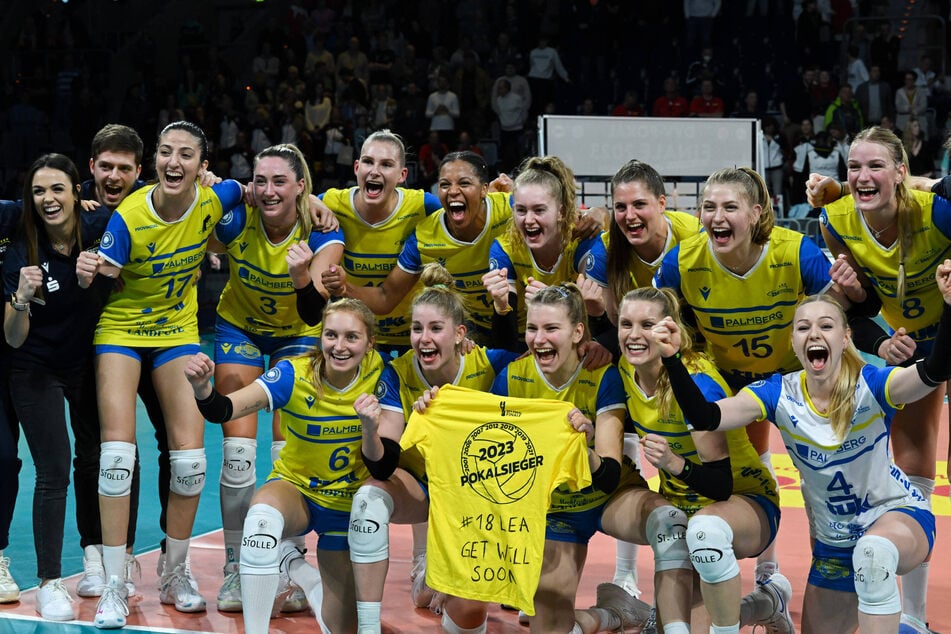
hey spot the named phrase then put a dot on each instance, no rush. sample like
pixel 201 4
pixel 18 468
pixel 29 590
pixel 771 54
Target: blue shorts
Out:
pixel 150 357
pixel 574 527
pixel 832 567
pixel 772 514
pixel 235 345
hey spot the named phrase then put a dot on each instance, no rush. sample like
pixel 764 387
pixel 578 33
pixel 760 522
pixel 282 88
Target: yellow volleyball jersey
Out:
pixel 680 226
pixel 323 433
pixel 592 392
pixel 747 319
pixel 158 304
pixel 512 254
pixel 371 250
pixel 493 463
pixel 921 309
pixel 403 382
pixel 259 297
pixel 749 474
pixel 466 261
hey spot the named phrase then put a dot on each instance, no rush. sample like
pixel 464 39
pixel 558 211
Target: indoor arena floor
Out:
pixel 207 556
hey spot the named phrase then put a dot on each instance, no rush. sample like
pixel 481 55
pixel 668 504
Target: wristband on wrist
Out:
pixel 18 305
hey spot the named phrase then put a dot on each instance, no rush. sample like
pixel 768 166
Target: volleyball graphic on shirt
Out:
pixel 499 462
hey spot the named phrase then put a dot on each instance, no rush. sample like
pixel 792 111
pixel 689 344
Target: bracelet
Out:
pixel 18 306
pixel 506 311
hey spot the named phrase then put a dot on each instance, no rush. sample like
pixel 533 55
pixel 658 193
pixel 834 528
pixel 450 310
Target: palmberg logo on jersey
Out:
pixel 499 462
pixel 247 351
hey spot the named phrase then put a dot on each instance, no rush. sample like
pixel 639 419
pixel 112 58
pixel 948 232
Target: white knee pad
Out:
pixel 260 544
pixel 116 462
pixel 188 471
pixel 875 560
pixel 276 447
pixel 710 540
pixel 449 626
pixel 237 462
pixel 369 534
pixel 666 532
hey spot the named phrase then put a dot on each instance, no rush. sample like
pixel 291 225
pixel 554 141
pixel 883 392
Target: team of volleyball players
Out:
pixel 668 331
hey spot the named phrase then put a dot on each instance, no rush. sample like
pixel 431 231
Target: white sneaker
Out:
pixel 229 596
pixel 628 581
pixel 777 587
pixel 9 590
pixel 764 570
pixel 132 570
pixel 160 569
pixel 113 607
pixel 296 601
pixel 632 612
pixel 53 602
pixel 421 593
pixel 93 581
pixel 178 588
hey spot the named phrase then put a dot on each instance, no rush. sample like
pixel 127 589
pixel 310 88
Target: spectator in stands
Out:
pixel 824 92
pixel 706 104
pixel 503 54
pixel 319 65
pixel 875 97
pixel 883 51
pixel 910 101
pixel 796 103
pixel 671 103
pixel 517 84
pixel 544 65
pixel 630 107
pixel 699 16
pixel 855 71
pixel 355 60
pixel 267 63
pixel 846 112
pixel 474 88
pixel 749 108
pixel 919 150
pixel 704 68
pixel 431 155
pixel 442 108
pixel 774 152
pixel 512 113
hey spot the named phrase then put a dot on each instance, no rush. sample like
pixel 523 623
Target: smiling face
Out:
pixel 434 338
pixel 114 174
pixel 379 170
pixel 54 197
pixel 344 341
pixel 874 176
pixel 178 161
pixel 639 214
pixel 819 337
pixel 728 217
pixel 462 195
pixel 537 215
pixel 636 317
pixel 551 337
pixel 276 189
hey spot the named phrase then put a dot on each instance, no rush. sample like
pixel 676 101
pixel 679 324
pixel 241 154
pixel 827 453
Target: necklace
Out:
pixel 876 233
pixel 61 247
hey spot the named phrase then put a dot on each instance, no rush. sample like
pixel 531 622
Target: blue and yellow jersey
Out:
pixel 259 296
pixel 466 261
pixel 591 391
pixel 931 245
pixel 403 382
pixel 157 306
pixel 371 250
pixel 680 226
pixel 747 319
pixel 514 255
pixel 322 456
pixel 750 477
